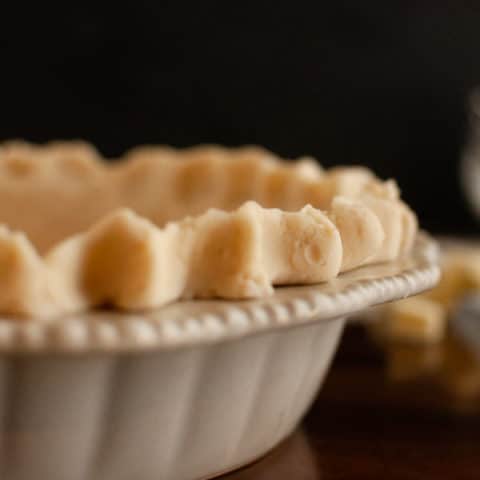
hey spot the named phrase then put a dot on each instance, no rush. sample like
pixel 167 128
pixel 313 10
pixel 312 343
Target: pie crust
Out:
pixel 164 224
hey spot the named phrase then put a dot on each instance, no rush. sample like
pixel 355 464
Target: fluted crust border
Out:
pixel 73 244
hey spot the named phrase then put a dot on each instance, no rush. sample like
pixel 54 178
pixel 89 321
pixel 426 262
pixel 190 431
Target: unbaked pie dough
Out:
pixel 164 224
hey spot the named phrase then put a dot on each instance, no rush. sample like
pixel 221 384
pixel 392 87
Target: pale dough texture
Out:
pixel 164 224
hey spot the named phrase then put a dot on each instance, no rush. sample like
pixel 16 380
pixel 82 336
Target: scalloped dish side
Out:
pixel 161 225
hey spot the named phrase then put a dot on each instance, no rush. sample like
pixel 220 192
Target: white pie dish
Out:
pixel 186 392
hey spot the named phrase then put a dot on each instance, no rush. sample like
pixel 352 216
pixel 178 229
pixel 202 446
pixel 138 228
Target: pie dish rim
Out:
pixel 187 324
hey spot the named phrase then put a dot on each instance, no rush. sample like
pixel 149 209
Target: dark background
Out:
pixel 382 83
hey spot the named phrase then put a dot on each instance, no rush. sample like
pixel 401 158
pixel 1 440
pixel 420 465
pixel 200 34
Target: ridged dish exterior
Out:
pixel 182 393
pixel 179 414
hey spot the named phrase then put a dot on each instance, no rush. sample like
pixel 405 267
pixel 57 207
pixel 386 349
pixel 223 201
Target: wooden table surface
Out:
pixel 377 417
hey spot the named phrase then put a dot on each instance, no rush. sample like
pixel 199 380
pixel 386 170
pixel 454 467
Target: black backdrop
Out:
pixel 378 83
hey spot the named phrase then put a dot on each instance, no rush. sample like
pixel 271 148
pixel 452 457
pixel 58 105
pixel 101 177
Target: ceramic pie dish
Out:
pixel 188 391
pixel 149 330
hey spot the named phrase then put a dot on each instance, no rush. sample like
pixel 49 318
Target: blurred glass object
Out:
pixel 470 165
pixel 466 323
